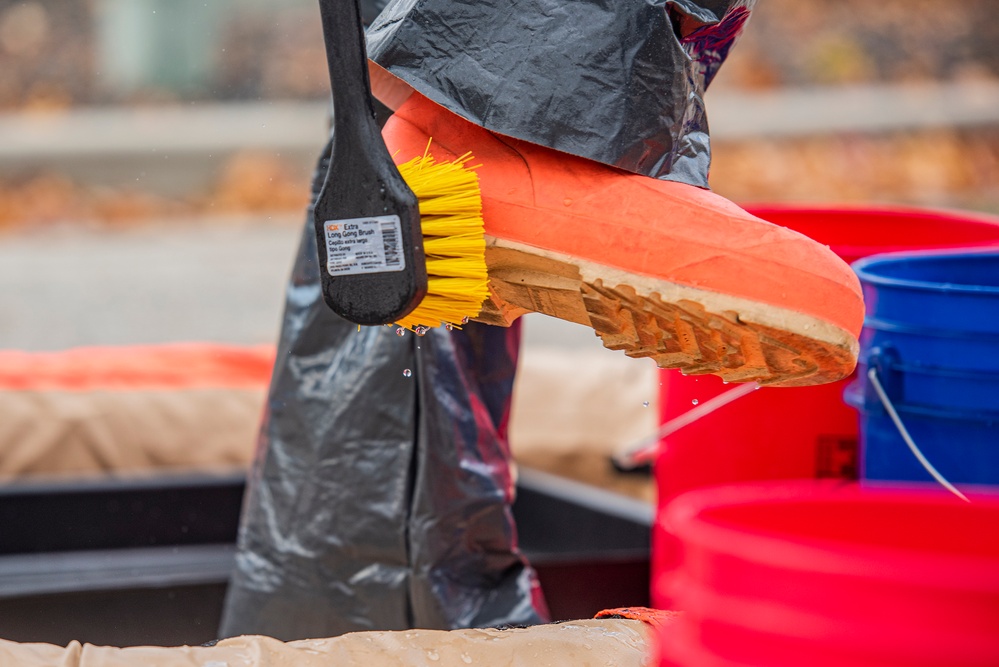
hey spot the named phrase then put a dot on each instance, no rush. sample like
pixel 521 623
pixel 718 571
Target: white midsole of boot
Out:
pixel 748 310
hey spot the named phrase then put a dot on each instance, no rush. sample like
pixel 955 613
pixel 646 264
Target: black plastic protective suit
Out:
pixel 381 493
pixel 380 496
pixel 616 81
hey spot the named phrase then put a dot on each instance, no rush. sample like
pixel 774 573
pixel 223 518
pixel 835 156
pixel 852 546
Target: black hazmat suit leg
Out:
pixel 381 501
pixel 618 82
pixel 381 492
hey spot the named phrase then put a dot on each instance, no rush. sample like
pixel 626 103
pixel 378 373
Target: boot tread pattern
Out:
pixel 686 336
pixel 681 333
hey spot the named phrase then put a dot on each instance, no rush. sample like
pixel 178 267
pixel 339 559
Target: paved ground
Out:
pixel 162 283
pixel 179 280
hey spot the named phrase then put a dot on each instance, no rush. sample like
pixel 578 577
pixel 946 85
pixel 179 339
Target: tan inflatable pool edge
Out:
pixel 196 407
pixel 114 410
pixel 587 643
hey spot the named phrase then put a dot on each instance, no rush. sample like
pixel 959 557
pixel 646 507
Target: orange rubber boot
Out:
pixel 657 268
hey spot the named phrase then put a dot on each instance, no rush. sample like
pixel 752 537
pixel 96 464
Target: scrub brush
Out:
pixel 396 244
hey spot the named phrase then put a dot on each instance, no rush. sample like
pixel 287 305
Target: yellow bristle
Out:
pixel 462 245
pixel 451 267
pixel 453 240
pixel 443 226
pixel 459 288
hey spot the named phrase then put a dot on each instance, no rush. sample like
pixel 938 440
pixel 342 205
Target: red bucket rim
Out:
pixel 886 210
pixel 688 517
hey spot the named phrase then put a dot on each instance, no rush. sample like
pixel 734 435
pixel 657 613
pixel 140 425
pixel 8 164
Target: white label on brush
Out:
pixel 364 245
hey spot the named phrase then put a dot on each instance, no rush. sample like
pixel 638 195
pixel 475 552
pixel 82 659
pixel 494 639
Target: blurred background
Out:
pixel 155 159
pixel 122 110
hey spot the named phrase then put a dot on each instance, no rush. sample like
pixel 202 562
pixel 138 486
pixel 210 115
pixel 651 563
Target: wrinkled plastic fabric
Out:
pixel 381 495
pixel 370 9
pixel 618 82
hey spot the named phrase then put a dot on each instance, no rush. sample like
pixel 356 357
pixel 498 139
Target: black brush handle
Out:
pixel 364 188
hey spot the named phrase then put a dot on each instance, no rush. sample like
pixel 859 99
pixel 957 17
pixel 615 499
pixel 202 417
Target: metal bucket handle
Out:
pixel 647 449
pixel 878 360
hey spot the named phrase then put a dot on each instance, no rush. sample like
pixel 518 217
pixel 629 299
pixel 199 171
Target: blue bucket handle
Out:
pixel 873 376
pixel 887 360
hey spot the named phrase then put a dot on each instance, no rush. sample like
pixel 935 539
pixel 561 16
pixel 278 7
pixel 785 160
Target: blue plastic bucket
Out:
pixel 932 336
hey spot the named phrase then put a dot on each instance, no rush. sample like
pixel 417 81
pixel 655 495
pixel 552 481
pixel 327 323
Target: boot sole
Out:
pixel 694 330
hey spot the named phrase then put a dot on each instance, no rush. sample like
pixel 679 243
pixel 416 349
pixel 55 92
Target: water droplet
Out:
pixel 567 201
pixel 449 326
pixel 465 658
pixel 645 404
pixel 400 332
pixel 695 401
pixel 464 320
pixel 420 330
pixel 433 655
pixel 407 373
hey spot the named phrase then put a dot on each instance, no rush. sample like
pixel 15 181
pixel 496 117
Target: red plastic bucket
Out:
pixel 795 433
pixel 821 575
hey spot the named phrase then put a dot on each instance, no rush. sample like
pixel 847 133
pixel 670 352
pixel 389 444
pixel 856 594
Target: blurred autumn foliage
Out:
pixel 50 51
pixel 833 42
pixel 51 55
pixel 51 58
pixel 248 183
pixel 935 168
